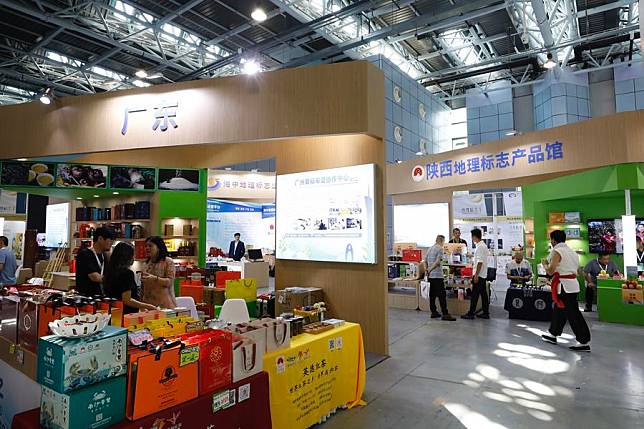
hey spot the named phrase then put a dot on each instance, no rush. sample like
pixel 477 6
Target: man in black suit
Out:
pixel 237 248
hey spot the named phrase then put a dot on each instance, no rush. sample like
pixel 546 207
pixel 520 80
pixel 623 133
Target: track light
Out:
pixel 250 66
pixel 141 74
pixel 259 15
pixel 512 133
pixel 47 96
pixel 398 161
pixel 549 62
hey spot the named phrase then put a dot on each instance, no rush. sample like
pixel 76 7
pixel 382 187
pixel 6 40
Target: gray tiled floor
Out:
pixel 498 374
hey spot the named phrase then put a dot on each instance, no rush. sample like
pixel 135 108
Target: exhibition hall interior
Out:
pixel 334 214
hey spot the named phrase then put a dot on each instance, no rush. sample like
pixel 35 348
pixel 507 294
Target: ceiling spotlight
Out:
pixel 141 74
pixel 420 153
pixel 79 198
pixel 95 196
pixel 21 159
pixel 259 15
pixel 511 133
pixel 250 67
pixel 115 193
pixel 46 96
pixel 549 63
pixel 398 161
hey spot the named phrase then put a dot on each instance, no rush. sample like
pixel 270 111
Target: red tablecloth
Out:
pixel 251 413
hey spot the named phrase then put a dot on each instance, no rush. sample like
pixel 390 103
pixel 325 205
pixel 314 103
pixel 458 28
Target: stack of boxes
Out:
pixel 83 379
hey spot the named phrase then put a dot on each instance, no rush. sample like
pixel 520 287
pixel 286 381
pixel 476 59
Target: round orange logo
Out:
pixel 417 173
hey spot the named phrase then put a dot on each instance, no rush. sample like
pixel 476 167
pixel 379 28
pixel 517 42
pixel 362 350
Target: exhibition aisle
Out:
pixel 498 374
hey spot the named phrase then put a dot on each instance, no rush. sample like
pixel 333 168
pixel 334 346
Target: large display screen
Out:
pixel 421 223
pixel 603 236
pixel 57 225
pixel 327 215
pixel 254 221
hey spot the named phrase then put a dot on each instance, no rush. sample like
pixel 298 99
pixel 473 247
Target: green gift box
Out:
pixel 66 364
pixel 96 406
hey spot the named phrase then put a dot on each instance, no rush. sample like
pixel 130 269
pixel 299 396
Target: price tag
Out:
pixel 189 355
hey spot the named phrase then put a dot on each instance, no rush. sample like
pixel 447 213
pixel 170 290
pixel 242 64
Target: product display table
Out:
pixel 528 304
pixel 612 307
pixel 316 375
pixel 248 409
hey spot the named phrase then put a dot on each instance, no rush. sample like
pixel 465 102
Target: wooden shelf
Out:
pixel 180 237
pixel 113 221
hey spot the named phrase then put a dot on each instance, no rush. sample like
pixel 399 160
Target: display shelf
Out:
pixel 115 239
pixel 185 257
pixel 113 221
pixel 180 237
pixel 572 224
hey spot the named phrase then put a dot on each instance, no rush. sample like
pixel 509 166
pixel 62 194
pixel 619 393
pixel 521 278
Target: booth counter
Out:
pixel 315 376
pixel 611 306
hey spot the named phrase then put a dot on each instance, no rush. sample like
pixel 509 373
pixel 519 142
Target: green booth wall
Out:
pixel 596 194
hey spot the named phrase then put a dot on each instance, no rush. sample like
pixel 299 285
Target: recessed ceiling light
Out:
pixel 21 159
pixel 115 193
pixel 259 15
pixel 79 198
pixel 141 74
pixel 95 196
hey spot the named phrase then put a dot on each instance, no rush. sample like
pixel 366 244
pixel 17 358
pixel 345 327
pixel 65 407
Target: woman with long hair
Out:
pixel 120 282
pixel 158 278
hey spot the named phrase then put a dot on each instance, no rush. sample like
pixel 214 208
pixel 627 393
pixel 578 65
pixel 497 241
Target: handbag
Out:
pixel 245 289
pixel 425 286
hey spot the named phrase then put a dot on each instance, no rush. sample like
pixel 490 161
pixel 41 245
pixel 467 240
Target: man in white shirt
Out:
pixel 518 270
pixel 563 264
pixel 479 278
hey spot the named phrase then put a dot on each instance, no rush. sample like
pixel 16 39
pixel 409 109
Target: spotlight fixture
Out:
pixel 79 198
pixel 549 64
pixel 398 161
pixel 512 133
pixel 47 96
pixel 95 196
pixel 141 74
pixel 21 159
pixel 259 15
pixel 250 67
pixel 420 153
pixel 115 193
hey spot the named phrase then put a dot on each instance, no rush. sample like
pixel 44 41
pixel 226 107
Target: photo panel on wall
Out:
pixel 178 179
pixel 132 178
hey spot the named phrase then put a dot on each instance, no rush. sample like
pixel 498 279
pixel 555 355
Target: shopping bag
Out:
pixel 245 289
pixel 424 289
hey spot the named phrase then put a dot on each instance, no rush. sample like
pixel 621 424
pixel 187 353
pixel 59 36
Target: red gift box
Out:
pixel 188 288
pixel 412 255
pixel 215 358
pixel 222 276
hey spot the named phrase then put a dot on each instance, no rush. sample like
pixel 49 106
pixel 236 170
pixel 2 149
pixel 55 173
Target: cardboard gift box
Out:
pixel 215 358
pixel 96 406
pixel 297 297
pixel 214 296
pixel 222 276
pixel 9 317
pixel 248 357
pixel 160 378
pixel 66 364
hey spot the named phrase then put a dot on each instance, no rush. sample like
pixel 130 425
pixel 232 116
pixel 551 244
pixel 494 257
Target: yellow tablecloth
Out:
pixel 315 375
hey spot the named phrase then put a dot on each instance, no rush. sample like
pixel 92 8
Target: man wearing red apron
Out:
pixel 563 265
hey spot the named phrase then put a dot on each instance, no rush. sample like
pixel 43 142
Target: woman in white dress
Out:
pixel 563 264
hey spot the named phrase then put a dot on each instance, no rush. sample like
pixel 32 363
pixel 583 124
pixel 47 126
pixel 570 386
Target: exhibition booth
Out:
pixel 498 187
pixel 98 162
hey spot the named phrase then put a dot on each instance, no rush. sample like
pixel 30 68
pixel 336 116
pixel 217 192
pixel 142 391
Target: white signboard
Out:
pixel 241 185
pixel 327 215
pixel 255 222
pixel 420 223
pixel 7 202
pixel 57 225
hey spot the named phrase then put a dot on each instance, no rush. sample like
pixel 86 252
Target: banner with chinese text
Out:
pixel 241 185
pixel 317 374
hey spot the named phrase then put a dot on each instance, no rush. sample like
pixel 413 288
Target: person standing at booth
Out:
pixel 591 271
pixel 157 280
pixel 640 255
pixel 456 237
pixel 562 265
pixel 90 263
pixel 8 265
pixel 436 283
pixel 479 278
pixel 518 270
pixel 237 248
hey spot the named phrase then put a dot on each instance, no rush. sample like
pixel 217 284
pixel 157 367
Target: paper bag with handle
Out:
pixel 245 289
